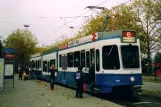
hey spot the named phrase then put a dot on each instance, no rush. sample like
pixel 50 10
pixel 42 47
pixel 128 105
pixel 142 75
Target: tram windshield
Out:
pixel 130 56
pixel 110 58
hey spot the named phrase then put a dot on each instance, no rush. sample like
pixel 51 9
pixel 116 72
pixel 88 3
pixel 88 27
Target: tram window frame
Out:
pixel 60 56
pixel 83 58
pixel 87 58
pixel 44 66
pixel 76 58
pixel 97 60
pixel 70 59
pixel 112 60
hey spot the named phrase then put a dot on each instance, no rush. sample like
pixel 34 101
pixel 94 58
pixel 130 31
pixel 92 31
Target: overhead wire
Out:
pixel 29 24
pixel 78 17
pixel 42 17
pixel 88 11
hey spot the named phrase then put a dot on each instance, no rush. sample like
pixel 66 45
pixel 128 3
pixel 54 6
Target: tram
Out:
pixel 114 55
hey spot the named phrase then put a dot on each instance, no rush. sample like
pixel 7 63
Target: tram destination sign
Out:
pixel 128 37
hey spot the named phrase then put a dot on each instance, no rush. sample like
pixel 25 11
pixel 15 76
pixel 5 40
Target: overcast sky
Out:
pixel 44 17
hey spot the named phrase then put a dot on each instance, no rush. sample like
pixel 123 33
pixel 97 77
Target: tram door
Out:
pixel 64 65
pixel 92 68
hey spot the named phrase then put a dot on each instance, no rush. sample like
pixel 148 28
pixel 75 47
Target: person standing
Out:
pixel 24 75
pixel 52 76
pixel 79 78
pixel 20 70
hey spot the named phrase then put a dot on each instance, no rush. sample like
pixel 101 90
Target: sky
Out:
pixel 46 17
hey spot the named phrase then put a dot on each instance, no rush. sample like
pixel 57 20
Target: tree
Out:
pixel 150 29
pixel 157 57
pixel 157 12
pixel 24 42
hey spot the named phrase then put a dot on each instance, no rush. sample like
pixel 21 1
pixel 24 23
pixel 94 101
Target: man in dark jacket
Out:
pixel 79 77
pixel 20 70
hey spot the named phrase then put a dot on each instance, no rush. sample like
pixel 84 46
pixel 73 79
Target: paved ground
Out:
pixel 33 93
pixel 151 86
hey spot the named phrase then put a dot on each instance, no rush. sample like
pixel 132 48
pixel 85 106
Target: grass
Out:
pixel 151 93
pixel 152 79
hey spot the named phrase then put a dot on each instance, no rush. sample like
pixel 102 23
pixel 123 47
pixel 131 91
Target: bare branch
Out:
pixel 153 47
pixel 152 28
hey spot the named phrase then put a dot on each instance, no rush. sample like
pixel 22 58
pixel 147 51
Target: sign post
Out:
pixel 9 63
pixel 1 74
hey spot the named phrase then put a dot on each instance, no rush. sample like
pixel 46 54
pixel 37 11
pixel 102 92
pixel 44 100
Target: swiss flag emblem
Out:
pixel 67 45
pixel 94 36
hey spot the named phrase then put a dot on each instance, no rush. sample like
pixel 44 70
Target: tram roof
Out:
pixel 95 36
pixel 49 51
pixel 102 35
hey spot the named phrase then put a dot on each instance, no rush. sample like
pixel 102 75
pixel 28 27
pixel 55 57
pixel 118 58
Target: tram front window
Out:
pixel 130 56
pixel 110 58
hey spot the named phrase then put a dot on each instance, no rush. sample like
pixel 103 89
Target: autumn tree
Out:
pixel 150 28
pixel 24 42
pixel 157 57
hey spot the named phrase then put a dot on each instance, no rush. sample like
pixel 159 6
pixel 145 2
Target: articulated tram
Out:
pixel 115 56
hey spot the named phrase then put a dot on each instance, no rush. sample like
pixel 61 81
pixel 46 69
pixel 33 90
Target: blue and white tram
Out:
pixel 115 56
pixel 48 58
pixel 35 63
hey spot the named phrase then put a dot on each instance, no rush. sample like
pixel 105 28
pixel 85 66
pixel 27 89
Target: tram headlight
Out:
pixel 132 79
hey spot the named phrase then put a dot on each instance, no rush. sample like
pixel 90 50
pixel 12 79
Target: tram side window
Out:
pixel 76 58
pixel 83 58
pixel 32 64
pixel 48 66
pixel 44 66
pixel 36 64
pixel 60 61
pixel 40 63
pixel 92 56
pixel 97 60
pixel 87 58
pixel 70 59
pixel 110 58
pixel 52 62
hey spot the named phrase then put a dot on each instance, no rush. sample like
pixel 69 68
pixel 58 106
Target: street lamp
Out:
pixel 26 26
pixel 71 27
